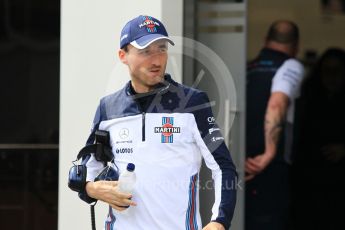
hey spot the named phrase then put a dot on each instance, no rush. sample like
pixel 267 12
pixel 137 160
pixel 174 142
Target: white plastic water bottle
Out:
pixel 127 181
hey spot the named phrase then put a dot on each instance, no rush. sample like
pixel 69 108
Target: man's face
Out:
pixel 146 66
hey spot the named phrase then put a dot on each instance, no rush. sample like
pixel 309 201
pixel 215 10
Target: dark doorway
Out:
pixel 29 100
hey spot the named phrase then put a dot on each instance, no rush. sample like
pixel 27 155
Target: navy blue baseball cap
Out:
pixel 141 31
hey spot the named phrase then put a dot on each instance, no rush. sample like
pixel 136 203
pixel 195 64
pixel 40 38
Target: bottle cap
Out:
pixel 130 167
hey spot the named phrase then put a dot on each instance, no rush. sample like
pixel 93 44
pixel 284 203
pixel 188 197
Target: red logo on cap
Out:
pixel 149 24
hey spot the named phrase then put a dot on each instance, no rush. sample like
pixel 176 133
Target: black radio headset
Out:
pixel 77 173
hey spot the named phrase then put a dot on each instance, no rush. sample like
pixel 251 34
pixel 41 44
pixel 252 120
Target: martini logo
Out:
pixel 167 130
pixel 149 24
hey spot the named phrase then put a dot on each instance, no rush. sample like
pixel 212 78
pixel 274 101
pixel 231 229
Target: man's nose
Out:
pixel 156 59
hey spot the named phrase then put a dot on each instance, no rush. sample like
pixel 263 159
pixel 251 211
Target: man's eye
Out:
pixel 145 52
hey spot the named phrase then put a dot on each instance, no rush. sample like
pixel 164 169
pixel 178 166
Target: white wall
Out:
pixel 90 69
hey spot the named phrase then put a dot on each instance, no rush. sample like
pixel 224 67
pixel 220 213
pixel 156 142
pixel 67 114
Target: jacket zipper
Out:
pixel 143 127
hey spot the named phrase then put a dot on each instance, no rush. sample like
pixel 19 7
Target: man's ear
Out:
pixel 123 56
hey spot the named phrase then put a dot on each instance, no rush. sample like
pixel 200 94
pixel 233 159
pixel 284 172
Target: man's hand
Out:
pixel 274 119
pixel 107 191
pixel 214 226
pixel 256 165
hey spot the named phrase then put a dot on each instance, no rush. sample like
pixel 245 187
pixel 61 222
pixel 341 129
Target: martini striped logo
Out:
pixel 167 130
pixel 149 24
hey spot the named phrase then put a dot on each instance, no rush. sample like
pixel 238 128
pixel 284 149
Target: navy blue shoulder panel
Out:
pixel 118 104
pixel 170 97
pixel 173 98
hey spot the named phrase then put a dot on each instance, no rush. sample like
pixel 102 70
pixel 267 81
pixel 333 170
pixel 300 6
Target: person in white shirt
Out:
pixel 273 82
pixel 163 128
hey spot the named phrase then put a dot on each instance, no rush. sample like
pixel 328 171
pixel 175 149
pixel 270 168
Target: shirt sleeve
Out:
pixel 288 79
pixel 217 158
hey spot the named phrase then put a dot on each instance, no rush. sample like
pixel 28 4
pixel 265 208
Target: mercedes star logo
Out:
pixel 124 133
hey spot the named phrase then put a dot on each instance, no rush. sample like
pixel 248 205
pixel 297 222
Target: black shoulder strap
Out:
pixel 101 149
